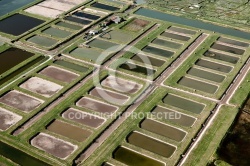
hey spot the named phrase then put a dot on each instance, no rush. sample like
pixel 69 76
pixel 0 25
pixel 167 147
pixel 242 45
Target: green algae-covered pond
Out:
pixel 133 158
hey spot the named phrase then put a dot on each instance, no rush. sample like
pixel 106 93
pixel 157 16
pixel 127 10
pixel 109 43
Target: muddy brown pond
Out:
pixel 151 144
pixel 12 57
pixel 163 129
pixel 52 145
pixel 20 101
pixel 96 105
pixel 83 118
pixel 59 74
pixel 69 131
pixel 109 96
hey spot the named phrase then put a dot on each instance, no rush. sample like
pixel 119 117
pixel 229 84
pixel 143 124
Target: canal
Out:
pixel 192 23
pixel 19 156
pixel 8 6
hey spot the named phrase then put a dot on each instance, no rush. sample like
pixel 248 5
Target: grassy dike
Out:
pixel 206 148
pixel 6 162
pixel 242 92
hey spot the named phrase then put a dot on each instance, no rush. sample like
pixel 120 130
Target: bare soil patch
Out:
pixel 53 8
pixel 70 131
pixel 41 86
pixel 59 74
pixel 20 101
pixel 121 85
pixel 8 119
pixel 83 118
pixel 109 96
pixel 96 105
pixel 52 145
pixel 136 25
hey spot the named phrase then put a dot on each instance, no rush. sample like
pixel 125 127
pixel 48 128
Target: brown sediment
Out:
pixel 96 105
pixel 69 131
pixel 20 101
pixel 151 144
pixel 59 74
pixel 109 96
pixel 136 25
pixel 163 129
pixel 83 118
pixel 8 119
pixel 41 86
pixel 52 145
pixel 121 85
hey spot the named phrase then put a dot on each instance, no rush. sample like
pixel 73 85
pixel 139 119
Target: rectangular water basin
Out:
pixel 233 42
pixel 214 66
pixel 77 20
pixel 42 41
pixel 166 43
pixel 182 30
pixel 71 66
pixel 18 24
pixel 170 115
pixel 130 157
pixel 148 60
pixel 228 49
pixel 158 51
pixel 151 144
pixel 206 75
pixel 102 44
pixel 86 53
pixel 69 131
pixel 137 69
pixel 175 36
pixel 58 33
pixel 86 15
pixel 183 103
pixel 104 6
pixel 83 118
pixel 54 146
pixel 68 25
pixel 163 130
pixel 222 57
pixel 198 85
pixel 12 57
